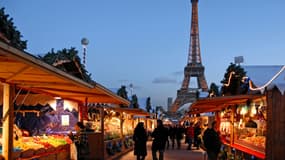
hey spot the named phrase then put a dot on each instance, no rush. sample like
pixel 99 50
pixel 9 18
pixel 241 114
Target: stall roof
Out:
pixel 26 71
pixel 218 103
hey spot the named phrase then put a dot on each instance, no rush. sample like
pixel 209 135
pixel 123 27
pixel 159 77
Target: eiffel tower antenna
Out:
pixel 194 67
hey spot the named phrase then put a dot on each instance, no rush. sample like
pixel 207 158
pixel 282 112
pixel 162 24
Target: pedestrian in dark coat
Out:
pixel 172 133
pixel 179 135
pixel 197 132
pixel 159 135
pixel 212 142
pixel 140 139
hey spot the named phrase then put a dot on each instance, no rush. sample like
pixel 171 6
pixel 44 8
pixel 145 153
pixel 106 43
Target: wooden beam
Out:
pixel 17 73
pixel 37 83
pixel 8 116
pixel 72 91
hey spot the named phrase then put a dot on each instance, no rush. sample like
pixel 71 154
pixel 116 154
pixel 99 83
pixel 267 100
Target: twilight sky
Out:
pixel 145 42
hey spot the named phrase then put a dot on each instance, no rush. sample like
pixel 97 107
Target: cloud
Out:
pixel 164 80
pixel 178 73
pixel 136 87
pixel 123 81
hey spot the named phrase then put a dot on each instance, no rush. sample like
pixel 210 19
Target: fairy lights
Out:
pixel 230 77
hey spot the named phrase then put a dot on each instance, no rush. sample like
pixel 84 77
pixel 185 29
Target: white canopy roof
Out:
pixel 264 75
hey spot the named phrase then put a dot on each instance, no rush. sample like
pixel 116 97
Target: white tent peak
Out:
pixel 260 75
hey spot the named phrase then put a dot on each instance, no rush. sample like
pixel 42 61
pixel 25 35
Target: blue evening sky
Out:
pixel 146 42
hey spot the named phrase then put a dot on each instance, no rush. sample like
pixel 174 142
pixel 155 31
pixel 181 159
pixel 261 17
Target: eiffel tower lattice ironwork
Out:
pixel 194 67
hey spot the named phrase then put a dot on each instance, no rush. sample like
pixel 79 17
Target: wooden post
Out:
pixel 275 127
pixel 133 121
pixel 233 110
pixel 8 114
pixel 121 124
pixel 85 110
pixel 146 123
pixel 270 133
pixel 102 132
pixel 82 110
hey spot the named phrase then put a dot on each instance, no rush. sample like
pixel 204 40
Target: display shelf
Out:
pixel 250 145
pixel 57 154
pixel 116 147
pixel 249 150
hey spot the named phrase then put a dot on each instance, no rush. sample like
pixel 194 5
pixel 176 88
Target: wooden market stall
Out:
pixel 117 125
pixel 251 125
pixel 231 113
pixel 22 71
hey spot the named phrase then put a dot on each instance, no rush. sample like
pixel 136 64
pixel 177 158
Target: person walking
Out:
pixel 197 133
pixel 179 135
pixel 140 139
pixel 159 136
pixel 172 132
pixel 212 142
pixel 190 135
pixel 167 140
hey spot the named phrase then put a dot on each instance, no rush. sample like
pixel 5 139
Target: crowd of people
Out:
pixel 167 136
pixel 176 134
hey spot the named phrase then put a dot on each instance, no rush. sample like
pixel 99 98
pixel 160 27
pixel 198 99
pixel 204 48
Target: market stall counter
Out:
pixel 42 148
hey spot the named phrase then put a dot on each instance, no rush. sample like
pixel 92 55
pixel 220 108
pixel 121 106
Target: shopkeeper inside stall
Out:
pixel 80 140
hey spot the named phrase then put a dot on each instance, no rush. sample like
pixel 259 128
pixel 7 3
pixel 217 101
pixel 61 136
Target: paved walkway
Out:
pixel 170 154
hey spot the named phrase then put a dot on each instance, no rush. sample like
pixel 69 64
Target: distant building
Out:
pixel 169 103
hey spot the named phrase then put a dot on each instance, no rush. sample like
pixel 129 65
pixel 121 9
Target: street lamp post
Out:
pixel 131 89
pixel 84 43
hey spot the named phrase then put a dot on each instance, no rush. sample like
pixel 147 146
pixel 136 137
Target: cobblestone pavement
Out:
pixel 171 154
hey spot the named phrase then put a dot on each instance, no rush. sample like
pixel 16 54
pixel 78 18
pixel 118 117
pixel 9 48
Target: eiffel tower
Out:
pixel 194 67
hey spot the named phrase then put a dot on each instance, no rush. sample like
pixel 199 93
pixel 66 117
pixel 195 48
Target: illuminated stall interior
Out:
pixel 251 125
pixel 242 121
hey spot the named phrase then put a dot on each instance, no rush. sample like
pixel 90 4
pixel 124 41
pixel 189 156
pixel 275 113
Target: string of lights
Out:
pixel 229 82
